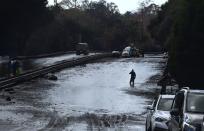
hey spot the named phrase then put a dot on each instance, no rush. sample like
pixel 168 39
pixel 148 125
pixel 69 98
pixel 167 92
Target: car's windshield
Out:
pixel 195 103
pixel 165 104
pixel 127 49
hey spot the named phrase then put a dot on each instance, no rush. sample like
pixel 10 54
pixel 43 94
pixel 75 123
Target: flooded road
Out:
pixel 35 63
pixel 30 64
pixel 95 96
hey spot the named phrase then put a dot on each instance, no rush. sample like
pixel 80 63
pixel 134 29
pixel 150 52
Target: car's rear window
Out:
pixel 195 103
pixel 165 104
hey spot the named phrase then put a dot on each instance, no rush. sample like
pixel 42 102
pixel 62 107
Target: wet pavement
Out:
pixel 95 96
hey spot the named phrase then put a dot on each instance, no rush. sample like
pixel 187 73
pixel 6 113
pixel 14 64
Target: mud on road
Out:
pixel 91 97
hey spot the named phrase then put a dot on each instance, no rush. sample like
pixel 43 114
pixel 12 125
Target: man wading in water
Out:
pixel 132 78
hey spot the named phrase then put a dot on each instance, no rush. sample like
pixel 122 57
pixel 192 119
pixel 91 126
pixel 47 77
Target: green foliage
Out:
pixel 160 27
pixel 184 37
pixel 187 43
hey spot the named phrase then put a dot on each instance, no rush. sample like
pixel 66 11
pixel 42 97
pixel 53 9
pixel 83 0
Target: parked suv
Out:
pixel 187 111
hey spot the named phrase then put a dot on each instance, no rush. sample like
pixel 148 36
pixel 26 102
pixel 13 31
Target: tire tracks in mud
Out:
pixel 94 121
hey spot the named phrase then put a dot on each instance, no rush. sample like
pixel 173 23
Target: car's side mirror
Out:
pixel 150 107
pixel 174 112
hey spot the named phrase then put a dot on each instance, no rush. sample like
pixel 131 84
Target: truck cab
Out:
pixel 82 48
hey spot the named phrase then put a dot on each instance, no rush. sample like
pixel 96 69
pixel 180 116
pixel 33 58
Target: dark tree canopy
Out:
pixel 182 24
pixel 98 23
pixel 30 27
pixel 18 19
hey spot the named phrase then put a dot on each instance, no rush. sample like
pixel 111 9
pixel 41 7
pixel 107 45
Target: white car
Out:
pixel 126 52
pixel 116 53
pixel 159 113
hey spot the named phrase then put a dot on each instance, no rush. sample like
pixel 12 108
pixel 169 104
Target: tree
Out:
pixel 85 5
pixel 19 18
pixel 180 24
pixel 98 23
pixel 186 43
pixel 70 3
pixel 160 26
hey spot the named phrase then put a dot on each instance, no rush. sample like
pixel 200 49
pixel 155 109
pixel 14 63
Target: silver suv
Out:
pixel 187 111
pixel 158 113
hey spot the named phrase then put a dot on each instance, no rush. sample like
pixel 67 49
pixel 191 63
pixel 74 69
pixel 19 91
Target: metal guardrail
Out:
pixel 51 55
pixel 44 55
pixel 53 68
